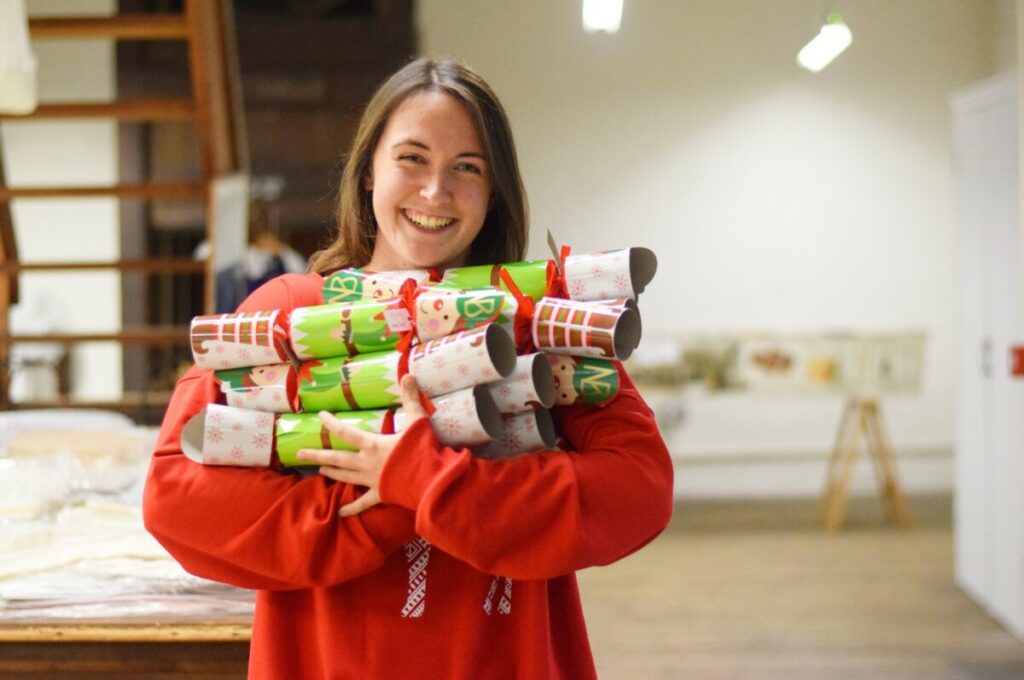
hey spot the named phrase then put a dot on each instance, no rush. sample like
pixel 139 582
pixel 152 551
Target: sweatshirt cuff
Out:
pixel 417 459
pixel 389 527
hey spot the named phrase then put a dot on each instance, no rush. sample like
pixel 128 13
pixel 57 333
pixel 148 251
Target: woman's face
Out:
pixel 431 185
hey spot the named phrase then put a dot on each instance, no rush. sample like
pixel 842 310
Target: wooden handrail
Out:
pixel 130 110
pixel 152 336
pixel 129 402
pixel 164 190
pixel 155 265
pixel 124 27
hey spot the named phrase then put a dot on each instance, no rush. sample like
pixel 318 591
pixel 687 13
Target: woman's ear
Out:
pixel 368 182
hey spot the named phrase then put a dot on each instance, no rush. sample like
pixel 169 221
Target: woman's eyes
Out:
pixel 468 167
pixel 459 167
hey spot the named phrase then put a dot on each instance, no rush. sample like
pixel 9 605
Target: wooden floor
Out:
pixel 737 591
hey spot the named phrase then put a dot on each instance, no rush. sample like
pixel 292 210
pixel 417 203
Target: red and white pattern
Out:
pixel 431 362
pixel 235 436
pixel 417 554
pixel 505 603
pixel 578 328
pixel 456 421
pixel 517 392
pixel 269 398
pixel 521 433
pixel 594 276
pixel 237 340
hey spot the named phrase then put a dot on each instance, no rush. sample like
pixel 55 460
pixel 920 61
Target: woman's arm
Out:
pixel 258 528
pixel 544 514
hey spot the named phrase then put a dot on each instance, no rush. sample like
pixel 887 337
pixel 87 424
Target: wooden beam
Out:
pixel 122 27
pixel 156 265
pixel 153 336
pixel 145 190
pixel 136 110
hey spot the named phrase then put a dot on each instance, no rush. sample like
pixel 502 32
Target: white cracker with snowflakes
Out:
pixel 271 399
pixel 225 435
pixel 464 359
pixel 611 274
pixel 521 433
pixel 467 417
pixel 530 386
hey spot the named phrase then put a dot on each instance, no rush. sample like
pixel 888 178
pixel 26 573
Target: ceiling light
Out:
pixel 833 38
pixel 602 15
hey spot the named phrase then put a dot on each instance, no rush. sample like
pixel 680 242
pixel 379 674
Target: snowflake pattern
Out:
pixel 261 440
pixel 219 348
pixel 510 440
pixel 264 420
pixel 215 435
pixel 463 369
pixel 438 361
pixel 577 288
pixel 446 385
pixel 237 427
pixel 505 391
pixel 622 284
pixel 597 271
pixel 451 426
pixel 244 355
pixel 217 417
pixel 237 453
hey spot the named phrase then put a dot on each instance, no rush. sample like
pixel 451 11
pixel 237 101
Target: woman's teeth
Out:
pixel 428 221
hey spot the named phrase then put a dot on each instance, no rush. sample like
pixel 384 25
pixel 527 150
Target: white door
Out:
pixel 989 500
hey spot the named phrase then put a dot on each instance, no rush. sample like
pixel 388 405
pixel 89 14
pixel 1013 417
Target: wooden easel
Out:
pixel 861 418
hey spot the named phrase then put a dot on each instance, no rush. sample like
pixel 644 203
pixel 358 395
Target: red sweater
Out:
pixel 465 571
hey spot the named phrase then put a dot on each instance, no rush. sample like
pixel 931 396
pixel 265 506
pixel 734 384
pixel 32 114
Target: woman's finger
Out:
pixel 340 459
pixel 364 502
pixel 344 431
pixel 411 397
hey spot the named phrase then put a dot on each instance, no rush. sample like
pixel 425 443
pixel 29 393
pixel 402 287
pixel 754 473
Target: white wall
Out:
pixel 45 153
pixel 776 199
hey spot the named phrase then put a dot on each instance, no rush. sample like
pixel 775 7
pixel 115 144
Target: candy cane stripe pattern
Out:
pixel 235 340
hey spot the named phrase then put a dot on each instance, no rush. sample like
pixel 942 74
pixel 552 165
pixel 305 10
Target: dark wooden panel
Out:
pixel 124 660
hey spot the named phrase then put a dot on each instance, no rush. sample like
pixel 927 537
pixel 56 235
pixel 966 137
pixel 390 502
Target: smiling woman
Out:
pixel 430 116
pixel 343 559
pixel 431 185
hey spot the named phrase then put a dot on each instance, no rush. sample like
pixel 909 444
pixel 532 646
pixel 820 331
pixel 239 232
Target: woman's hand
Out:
pixel 363 467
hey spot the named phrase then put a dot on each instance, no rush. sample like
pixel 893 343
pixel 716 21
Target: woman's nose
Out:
pixel 436 187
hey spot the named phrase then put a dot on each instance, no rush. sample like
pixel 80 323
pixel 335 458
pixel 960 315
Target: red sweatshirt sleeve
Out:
pixel 545 514
pixel 259 528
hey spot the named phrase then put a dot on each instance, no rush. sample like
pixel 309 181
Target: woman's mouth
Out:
pixel 426 221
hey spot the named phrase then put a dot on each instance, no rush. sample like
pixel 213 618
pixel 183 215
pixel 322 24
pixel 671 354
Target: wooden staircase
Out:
pixel 215 109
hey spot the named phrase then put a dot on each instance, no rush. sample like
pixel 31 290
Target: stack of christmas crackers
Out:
pixel 492 348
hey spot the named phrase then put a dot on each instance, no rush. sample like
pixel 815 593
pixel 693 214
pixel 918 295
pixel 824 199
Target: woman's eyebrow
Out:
pixel 420 145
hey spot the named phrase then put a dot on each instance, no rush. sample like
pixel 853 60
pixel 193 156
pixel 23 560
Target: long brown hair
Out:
pixel 504 233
